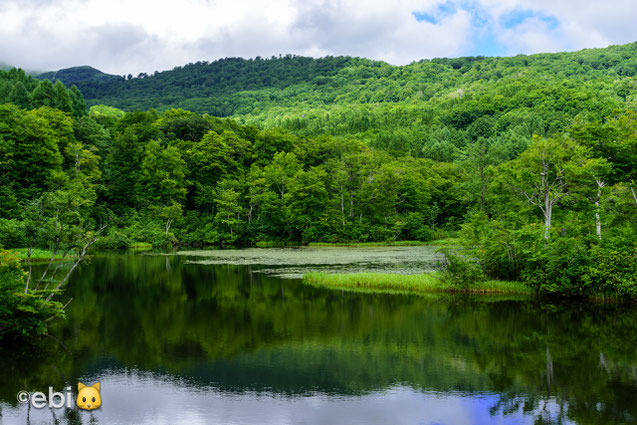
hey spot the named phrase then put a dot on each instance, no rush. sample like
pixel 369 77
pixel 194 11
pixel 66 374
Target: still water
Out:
pixel 193 340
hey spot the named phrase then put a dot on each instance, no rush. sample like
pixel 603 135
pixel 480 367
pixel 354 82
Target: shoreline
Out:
pixel 39 255
pixel 436 242
pixel 431 284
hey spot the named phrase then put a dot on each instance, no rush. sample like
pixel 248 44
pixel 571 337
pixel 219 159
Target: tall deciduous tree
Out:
pixel 477 158
pixel 162 184
pixel 541 174
pixel 228 210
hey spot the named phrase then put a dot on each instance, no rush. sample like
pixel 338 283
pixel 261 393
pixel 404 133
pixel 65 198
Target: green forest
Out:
pixel 530 161
pixel 427 109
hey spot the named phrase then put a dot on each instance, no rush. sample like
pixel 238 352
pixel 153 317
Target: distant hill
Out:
pixel 209 83
pixel 430 107
pixel 213 87
pixel 78 75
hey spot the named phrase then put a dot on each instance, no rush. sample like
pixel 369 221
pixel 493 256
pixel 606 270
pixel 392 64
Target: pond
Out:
pixel 233 338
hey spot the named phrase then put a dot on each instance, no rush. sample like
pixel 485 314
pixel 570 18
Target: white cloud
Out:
pixel 582 24
pixel 131 36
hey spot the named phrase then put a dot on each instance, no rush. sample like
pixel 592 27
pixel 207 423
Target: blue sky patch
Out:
pixel 517 17
pixel 440 12
pixel 484 41
pixel 487 44
pixel 427 17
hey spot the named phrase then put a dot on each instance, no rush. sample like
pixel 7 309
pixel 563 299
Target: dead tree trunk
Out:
pixel 26 288
pixel 342 206
pixel 547 193
pixel 598 221
pixel 79 259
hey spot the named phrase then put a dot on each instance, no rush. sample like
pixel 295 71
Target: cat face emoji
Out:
pixel 88 398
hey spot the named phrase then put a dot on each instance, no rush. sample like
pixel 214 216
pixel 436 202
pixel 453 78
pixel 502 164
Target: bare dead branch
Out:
pixel 26 288
pixel 78 260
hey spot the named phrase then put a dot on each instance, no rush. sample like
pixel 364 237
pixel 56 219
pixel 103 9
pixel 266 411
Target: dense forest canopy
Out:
pixel 27 92
pixel 530 160
pixel 427 109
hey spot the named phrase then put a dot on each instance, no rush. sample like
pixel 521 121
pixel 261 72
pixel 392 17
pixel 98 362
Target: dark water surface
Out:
pixel 173 342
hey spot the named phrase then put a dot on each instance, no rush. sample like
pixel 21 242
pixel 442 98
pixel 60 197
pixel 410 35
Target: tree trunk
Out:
pixel 549 370
pixel 483 188
pixel 598 198
pixel 548 212
pixel 78 261
pixel 547 223
pixel 26 288
pixel 55 250
pixel 548 204
pixel 342 207
pixel 57 268
pixel 598 221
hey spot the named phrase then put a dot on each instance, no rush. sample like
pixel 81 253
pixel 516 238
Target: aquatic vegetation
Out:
pixel 415 283
pixel 369 244
pixel 294 262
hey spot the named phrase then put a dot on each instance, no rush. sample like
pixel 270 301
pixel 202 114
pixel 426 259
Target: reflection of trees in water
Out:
pixel 568 371
pixel 237 330
pixel 67 416
pixel 546 410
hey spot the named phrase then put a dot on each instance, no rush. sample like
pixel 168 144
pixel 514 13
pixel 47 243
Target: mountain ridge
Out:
pixel 428 108
pixel 216 87
pixel 77 74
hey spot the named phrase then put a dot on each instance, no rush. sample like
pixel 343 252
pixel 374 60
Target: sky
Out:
pixel 133 36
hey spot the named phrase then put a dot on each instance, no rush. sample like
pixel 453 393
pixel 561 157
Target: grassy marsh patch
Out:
pixel 141 246
pixel 414 283
pixel 39 255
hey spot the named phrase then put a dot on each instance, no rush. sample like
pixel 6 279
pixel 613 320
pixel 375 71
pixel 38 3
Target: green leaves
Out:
pixel 163 175
pixel 22 314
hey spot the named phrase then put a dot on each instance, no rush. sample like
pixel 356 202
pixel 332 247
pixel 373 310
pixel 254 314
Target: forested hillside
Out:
pixel 27 92
pixel 531 159
pixel 203 87
pixel 427 109
pixel 78 74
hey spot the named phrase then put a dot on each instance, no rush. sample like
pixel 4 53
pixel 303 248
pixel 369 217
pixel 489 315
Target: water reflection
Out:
pixel 184 343
pixel 145 398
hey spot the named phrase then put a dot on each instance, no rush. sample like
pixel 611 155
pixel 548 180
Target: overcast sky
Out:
pixel 132 36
